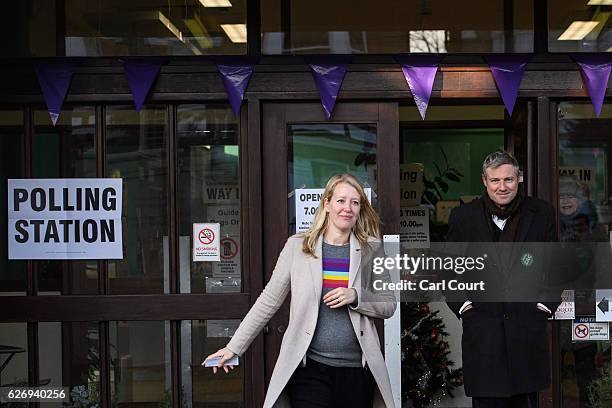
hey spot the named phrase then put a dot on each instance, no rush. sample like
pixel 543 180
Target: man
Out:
pixel 505 345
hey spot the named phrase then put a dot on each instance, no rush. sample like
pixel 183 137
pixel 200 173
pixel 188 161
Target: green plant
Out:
pixel 600 390
pixel 438 186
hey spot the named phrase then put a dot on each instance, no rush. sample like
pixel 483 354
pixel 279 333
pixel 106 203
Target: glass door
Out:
pixel 302 150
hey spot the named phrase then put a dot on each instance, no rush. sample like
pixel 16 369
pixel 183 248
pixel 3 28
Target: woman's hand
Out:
pixel 340 297
pixel 224 354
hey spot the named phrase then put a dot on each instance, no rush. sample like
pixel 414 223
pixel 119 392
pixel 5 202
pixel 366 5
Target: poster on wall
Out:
pixel 306 204
pixel 65 218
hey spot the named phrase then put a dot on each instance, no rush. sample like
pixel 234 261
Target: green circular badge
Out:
pixel 527 259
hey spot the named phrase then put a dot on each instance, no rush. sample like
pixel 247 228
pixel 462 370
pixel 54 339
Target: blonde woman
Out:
pixel 330 355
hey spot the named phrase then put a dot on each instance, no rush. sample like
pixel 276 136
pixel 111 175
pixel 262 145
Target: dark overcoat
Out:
pixel 505 343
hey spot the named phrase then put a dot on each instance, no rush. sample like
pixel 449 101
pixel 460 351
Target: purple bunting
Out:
pixel 420 72
pixel 141 74
pixel 235 73
pixel 508 71
pixel 54 78
pixel 595 71
pixel 328 72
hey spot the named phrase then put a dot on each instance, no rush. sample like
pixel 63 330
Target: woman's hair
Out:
pixel 368 222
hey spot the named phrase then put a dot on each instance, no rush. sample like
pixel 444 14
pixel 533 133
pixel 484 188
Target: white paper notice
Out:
pixel 206 242
pixel 585 329
pixel 306 203
pixel 414 227
pixel 603 303
pixel 567 309
pixel 65 218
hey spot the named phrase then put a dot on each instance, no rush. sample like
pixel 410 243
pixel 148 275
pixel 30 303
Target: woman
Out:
pixel 330 354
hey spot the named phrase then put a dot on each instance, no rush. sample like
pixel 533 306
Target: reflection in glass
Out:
pixel 440 168
pixel 444 167
pixel 136 146
pixel 209 191
pixel 318 151
pixel 140 363
pixel 69 356
pixel 387 26
pixel 28 28
pixel 14 354
pixel 200 338
pixel 155 27
pixel 580 26
pixel 12 273
pixel 66 150
pixel 585 215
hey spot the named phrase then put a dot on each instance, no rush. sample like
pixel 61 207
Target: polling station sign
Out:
pixel 65 218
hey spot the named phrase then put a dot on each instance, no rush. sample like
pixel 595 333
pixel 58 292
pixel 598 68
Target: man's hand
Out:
pixel 340 297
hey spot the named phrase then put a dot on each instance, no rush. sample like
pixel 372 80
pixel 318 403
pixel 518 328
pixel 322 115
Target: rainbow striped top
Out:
pixel 335 272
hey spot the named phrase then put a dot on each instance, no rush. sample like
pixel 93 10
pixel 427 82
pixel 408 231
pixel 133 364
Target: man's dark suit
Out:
pixel 505 345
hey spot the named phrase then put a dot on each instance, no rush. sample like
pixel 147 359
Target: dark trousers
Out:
pixel 322 386
pixel 516 401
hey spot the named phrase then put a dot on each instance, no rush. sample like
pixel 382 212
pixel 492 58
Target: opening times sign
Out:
pixel 65 218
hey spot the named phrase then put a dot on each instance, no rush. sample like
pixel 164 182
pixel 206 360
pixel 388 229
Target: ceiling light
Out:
pixel 599 3
pixel 237 33
pixel 578 30
pixel 168 24
pixel 216 3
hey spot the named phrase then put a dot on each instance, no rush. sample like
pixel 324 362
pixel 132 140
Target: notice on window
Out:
pixel 206 242
pixel 567 308
pixel 228 217
pixel 411 184
pixel 65 218
pixel 587 329
pixel 306 204
pixel 414 227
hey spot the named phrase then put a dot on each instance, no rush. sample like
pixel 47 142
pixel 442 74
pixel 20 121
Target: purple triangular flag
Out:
pixel 595 71
pixel 328 72
pixel 141 74
pixel 508 71
pixel 235 73
pixel 54 78
pixel 419 72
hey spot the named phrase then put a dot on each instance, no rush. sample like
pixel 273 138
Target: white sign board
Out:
pixel 603 305
pixel 411 184
pixel 206 242
pixel 567 308
pixel 414 227
pixel 65 218
pixel 590 331
pixel 306 203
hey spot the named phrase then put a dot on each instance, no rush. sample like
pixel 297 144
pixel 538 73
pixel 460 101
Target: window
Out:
pixel 66 150
pixel 12 273
pixel 161 27
pixel 136 151
pixel 585 218
pixel 392 26
pixel 579 26
pixel 209 192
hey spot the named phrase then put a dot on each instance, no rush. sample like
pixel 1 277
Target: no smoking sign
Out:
pixel 206 236
pixel 206 245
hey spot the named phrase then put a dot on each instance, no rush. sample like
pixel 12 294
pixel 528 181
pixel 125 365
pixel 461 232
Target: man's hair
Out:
pixel 499 158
